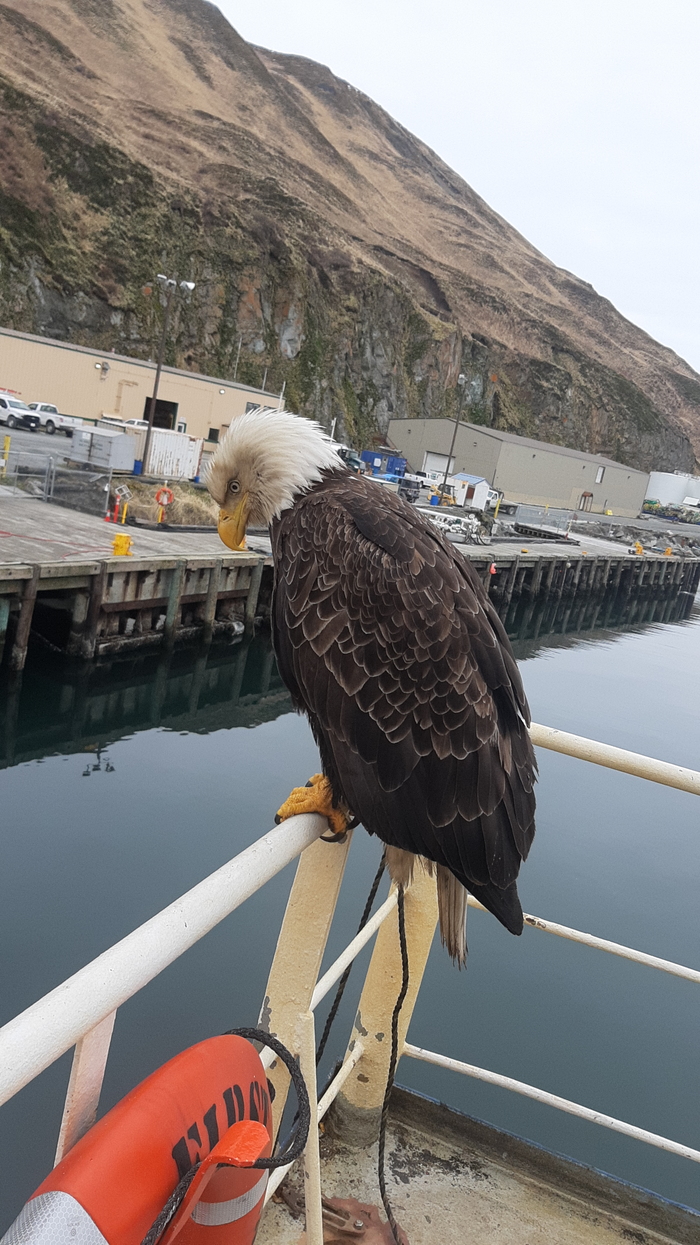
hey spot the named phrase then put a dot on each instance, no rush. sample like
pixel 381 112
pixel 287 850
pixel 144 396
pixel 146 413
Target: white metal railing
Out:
pixel 552 1100
pixel 80 1012
pixel 47 1029
pixel 663 772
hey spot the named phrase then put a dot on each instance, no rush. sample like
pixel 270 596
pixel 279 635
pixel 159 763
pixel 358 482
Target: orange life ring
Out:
pixel 164 496
pixel 209 1105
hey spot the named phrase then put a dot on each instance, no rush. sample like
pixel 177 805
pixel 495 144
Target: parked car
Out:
pixel 51 419
pixel 17 414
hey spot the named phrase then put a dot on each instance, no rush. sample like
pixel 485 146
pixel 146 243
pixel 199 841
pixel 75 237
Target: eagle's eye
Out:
pixel 233 486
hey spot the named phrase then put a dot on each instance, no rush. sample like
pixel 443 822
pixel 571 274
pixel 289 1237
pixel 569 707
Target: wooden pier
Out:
pixel 92 608
pixel 571 573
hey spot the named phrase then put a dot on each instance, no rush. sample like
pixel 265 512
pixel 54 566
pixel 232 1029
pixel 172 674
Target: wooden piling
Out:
pixel 18 656
pixel 562 585
pixel 253 593
pixel 210 603
pixel 536 577
pixel 97 592
pixel 172 614
pixel 549 576
pixel 510 582
pixel 4 619
pixel 78 622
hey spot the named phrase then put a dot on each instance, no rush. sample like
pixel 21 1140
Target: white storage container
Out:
pixel 672 487
pixel 103 447
pixel 173 455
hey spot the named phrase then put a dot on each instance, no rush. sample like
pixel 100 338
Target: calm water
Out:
pixel 125 784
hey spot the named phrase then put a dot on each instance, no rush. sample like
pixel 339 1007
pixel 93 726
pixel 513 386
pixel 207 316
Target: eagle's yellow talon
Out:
pixel 315 797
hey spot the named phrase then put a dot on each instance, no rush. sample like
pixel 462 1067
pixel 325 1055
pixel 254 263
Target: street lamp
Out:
pixel 170 285
pixel 461 380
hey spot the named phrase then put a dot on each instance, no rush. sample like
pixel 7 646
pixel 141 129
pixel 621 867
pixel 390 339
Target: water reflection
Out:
pixel 60 707
pixel 549 623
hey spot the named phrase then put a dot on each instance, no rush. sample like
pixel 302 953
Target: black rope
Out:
pixel 159 1225
pixel 292 1149
pixel 297 1139
pixel 344 979
pixel 392 1064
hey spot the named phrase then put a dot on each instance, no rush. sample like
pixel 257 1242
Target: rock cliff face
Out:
pixel 352 265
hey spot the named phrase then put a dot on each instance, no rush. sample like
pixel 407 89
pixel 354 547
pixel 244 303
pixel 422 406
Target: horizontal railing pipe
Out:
pixel 616 758
pixel 602 944
pixel 552 1100
pixel 42 1033
pixel 338 967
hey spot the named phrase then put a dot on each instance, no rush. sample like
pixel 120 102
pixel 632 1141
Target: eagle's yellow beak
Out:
pixel 232 526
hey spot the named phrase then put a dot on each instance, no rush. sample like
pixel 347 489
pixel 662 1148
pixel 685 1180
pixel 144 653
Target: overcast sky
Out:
pixel 577 120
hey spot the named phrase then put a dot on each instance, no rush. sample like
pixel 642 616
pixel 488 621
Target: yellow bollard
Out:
pixel 121 546
pixel 5 454
pixel 125 507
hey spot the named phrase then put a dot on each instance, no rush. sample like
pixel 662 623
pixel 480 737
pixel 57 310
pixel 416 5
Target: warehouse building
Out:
pixel 87 383
pixel 533 472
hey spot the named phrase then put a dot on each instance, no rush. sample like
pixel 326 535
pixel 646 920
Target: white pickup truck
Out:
pixel 51 420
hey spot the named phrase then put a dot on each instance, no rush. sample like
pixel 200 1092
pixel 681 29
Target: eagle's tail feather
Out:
pixel 503 903
pixel 452 898
pixel 452 906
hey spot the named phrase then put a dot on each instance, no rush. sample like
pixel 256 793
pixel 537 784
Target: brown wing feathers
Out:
pixel 387 640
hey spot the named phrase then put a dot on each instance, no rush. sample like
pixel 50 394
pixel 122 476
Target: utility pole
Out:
pixel 170 285
pixel 461 380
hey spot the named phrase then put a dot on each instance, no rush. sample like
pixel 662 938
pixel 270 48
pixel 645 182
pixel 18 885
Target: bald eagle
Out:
pixel 387 641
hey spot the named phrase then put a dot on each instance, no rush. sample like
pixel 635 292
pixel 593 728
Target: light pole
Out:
pixel 461 380
pixel 170 285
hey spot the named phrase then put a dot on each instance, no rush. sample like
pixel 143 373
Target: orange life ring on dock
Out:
pixel 164 496
pixel 210 1106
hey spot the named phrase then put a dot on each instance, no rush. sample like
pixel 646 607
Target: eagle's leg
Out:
pixel 317 797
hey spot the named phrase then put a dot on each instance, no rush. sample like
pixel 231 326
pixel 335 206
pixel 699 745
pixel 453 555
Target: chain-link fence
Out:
pixel 35 475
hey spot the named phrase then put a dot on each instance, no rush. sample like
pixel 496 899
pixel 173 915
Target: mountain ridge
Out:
pixel 355 266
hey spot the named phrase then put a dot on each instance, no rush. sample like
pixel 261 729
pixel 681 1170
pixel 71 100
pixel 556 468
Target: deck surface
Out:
pixel 446 1190
pixel 34 531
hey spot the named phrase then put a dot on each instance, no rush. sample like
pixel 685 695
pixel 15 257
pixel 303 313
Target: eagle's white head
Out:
pixel 266 459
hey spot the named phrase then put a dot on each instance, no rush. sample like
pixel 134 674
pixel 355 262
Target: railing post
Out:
pixel 85 1085
pixel 312 1159
pixel 356 1112
pixel 300 948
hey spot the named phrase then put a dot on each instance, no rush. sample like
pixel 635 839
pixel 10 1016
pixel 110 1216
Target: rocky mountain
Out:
pixel 349 262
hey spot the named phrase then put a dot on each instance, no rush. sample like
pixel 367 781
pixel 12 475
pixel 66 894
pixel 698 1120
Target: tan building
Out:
pixel 87 383
pixel 524 470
